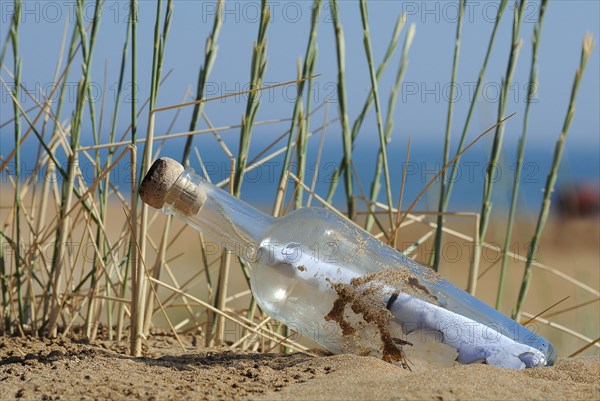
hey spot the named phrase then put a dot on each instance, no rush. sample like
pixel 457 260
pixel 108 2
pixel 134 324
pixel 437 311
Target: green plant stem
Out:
pixel 131 259
pixel 53 165
pixel 367 105
pixel 90 333
pixel 258 68
pixel 209 58
pixel 5 287
pixel 588 44
pixel 257 72
pixel 533 83
pixel 341 86
pixel 210 54
pixel 56 165
pixel 309 55
pixel 440 217
pixel 113 130
pixel 463 137
pixel 389 125
pixel 14 35
pixel 486 204
pixel 139 289
pixel 373 75
pixel 499 134
pixel 58 259
pixel 308 68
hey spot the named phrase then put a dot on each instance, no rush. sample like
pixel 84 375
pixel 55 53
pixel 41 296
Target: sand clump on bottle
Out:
pixel 364 295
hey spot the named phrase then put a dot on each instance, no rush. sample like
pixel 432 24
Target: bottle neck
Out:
pixel 224 218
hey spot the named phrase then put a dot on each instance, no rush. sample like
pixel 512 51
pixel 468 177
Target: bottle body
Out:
pixel 334 283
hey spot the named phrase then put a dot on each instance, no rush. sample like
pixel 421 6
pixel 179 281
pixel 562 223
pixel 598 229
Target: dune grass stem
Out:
pixel 308 65
pixel 389 124
pixel 58 259
pixel 300 113
pixel 499 134
pixel 343 104
pixel 258 68
pixel 486 203
pixel 210 54
pixel 586 51
pixel 451 100
pixel 257 72
pixel 131 258
pixel 14 36
pixel 532 90
pixel 90 321
pixel 139 277
pixel 368 102
pixel 5 288
pixel 374 85
pixel 112 134
pixel 50 173
pixel 61 198
pixel 463 137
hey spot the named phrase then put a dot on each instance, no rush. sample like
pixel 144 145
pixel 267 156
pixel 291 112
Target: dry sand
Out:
pixel 32 369
pixel 63 369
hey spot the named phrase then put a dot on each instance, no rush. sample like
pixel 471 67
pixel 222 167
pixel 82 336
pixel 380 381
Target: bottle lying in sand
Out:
pixel 334 283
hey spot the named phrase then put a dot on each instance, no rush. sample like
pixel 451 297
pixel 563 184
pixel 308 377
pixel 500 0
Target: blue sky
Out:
pixel 418 113
pixel 422 105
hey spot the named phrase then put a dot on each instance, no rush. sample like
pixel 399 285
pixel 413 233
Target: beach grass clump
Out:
pixel 80 255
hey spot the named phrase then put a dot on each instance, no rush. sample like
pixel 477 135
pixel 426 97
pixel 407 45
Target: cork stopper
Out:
pixel 162 185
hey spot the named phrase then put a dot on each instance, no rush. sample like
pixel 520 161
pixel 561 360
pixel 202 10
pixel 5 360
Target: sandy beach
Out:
pixel 439 127
pixel 72 368
pixel 63 369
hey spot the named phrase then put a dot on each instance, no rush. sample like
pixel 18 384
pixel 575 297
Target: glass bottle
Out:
pixel 331 281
